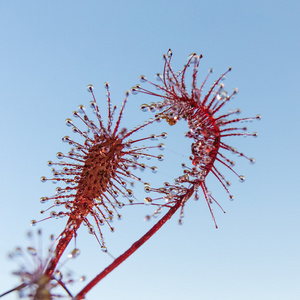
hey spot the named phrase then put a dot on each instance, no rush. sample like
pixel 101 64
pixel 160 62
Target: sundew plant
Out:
pixel 98 175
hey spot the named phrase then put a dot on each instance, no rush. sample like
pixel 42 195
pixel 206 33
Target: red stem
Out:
pixel 136 245
pixel 66 237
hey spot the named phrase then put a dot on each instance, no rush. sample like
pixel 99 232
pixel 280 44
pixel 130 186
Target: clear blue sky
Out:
pixel 50 51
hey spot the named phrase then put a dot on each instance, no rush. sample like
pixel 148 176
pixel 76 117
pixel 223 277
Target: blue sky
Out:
pixel 50 51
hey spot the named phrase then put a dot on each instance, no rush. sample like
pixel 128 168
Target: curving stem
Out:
pixel 181 199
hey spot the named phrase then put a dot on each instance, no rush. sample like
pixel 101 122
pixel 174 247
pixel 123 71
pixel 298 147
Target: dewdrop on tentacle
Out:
pixel 97 169
pixel 208 126
pixel 168 197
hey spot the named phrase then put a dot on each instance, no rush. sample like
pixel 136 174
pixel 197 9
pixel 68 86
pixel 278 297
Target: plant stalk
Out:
pixel 65 238
pixel 136 245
